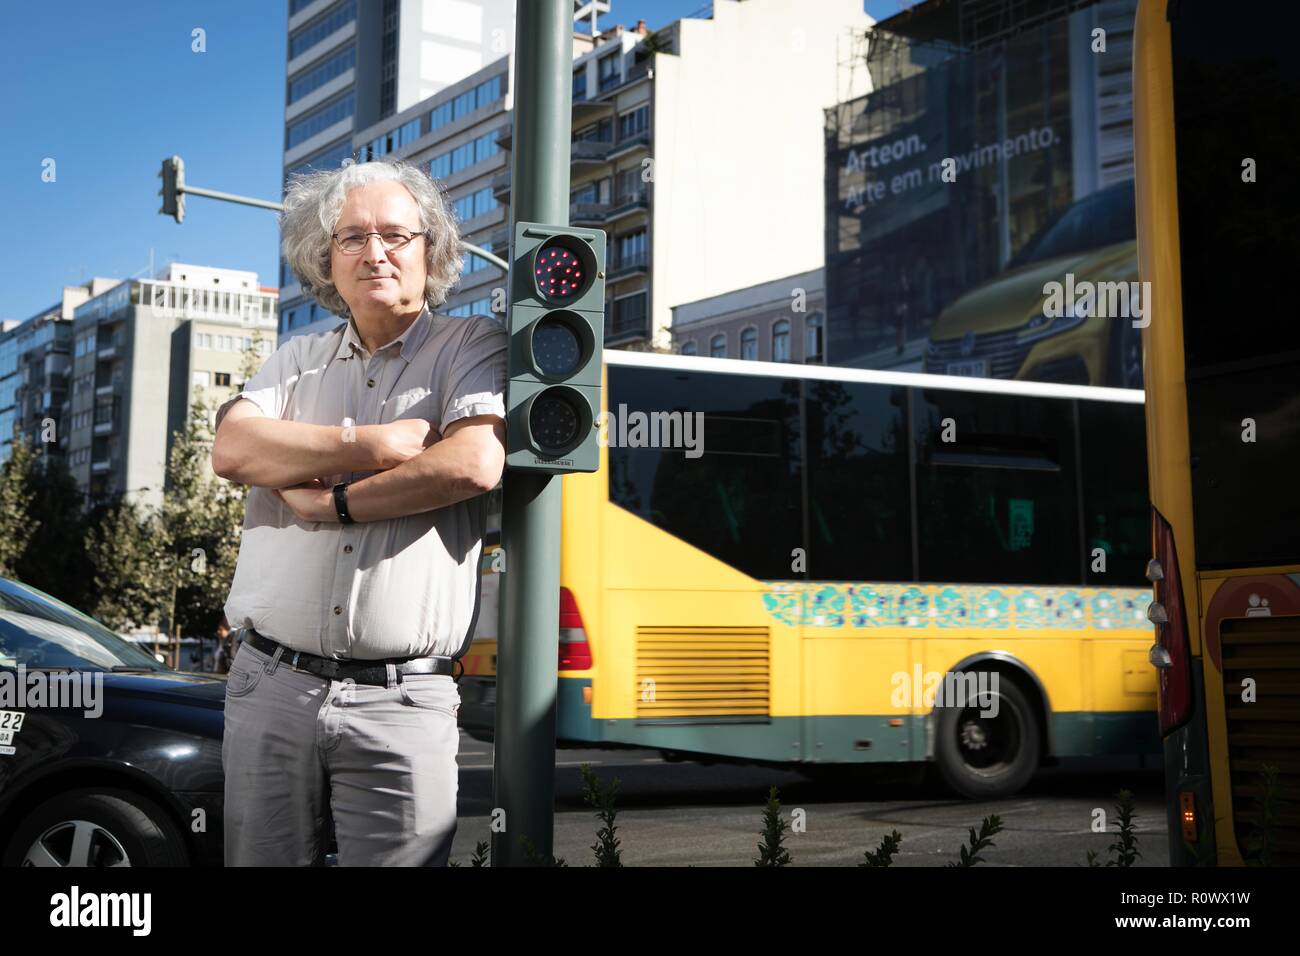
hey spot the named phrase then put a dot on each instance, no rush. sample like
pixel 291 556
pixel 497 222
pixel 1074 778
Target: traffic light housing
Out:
pixel 557 331
pixel 173 188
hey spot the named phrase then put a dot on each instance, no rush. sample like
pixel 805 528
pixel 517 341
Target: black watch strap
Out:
pixel 341 502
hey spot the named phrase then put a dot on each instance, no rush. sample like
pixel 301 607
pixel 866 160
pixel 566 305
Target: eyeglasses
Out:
pixel 354 241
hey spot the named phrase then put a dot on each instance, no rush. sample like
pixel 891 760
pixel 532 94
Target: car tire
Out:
pixel 98 828
pixel 984 758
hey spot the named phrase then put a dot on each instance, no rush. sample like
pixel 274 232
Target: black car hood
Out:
pixel 201 690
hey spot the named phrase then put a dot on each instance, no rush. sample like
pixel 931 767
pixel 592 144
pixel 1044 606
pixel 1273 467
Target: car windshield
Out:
pixel 37 630
pixel 1100 219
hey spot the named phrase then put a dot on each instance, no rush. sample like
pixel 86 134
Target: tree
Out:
pixel 55 558
pixel 123 547
pixel 17 523
pixel 201 519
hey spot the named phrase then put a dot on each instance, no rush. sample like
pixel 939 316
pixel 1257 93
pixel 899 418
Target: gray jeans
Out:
pixel 384 757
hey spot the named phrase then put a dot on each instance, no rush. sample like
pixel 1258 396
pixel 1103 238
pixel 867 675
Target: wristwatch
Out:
pixel 341 502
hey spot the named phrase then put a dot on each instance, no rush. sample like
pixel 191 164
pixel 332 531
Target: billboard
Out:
pixel 980 213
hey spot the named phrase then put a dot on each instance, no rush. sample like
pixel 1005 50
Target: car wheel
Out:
pixel 987 757
pixel 97 828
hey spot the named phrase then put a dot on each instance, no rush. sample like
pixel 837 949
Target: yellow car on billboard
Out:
pixel 1085 264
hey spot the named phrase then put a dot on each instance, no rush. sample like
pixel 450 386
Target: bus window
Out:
pixel 1116 510
pixel 999 501
pixel 1239 236
pixel 859 504
pixel 740 499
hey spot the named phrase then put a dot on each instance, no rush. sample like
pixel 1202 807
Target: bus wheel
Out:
pixel 984 757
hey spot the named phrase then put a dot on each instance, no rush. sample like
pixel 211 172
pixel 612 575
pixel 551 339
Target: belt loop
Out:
pixel 393 677
pixel 275 659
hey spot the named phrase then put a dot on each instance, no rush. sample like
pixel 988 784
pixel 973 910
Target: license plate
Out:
pixel 978 369
pixel 11 720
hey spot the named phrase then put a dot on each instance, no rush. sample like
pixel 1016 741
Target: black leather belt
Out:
pixel 360 672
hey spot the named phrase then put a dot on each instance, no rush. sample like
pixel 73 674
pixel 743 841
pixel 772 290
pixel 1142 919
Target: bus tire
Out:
pixel 984 758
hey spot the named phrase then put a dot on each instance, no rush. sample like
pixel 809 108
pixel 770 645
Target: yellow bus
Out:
pixel 784 564
pixel 1216 101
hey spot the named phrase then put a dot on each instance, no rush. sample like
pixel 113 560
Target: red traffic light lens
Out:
pixel 559 274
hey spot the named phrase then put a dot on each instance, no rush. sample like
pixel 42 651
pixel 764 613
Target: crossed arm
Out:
pixel 287 456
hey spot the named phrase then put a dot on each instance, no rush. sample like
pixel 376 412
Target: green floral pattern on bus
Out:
pixel 956 606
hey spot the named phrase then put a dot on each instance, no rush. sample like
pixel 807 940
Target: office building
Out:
pixel 721 118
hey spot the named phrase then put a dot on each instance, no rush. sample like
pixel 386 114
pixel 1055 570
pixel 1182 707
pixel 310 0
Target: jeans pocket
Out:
pixel 245 673
pixel 430 692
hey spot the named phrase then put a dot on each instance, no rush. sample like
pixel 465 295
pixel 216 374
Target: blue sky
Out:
pixel 107 89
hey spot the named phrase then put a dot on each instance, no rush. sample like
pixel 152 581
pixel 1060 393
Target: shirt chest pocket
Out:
pixel 415 402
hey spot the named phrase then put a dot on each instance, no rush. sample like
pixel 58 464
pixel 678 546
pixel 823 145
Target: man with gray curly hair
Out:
pixel 369 449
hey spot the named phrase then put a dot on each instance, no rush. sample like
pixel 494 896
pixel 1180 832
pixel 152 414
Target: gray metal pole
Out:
pixel 523 771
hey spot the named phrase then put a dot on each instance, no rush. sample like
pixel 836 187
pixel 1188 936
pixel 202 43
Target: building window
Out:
pixel 602 132
pixel 478 203
pixel 609 72
pixel 579 84
pixel 814 332
pixel 485 94
pixel 465 155
pixel 634 122
pixel 474 263
pixel 318 76
pixel 688 348
pixel 221 378
pixel 631 249
pixel 781 341
pixel 201 378
pixel 628 186
pixel 320 120
pixel 318 30
pixel 331 158
pixel 718 346
pixel 749 344
pixel 629 314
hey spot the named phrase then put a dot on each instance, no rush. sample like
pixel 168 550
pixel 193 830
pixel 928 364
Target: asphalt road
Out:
pixel 684 813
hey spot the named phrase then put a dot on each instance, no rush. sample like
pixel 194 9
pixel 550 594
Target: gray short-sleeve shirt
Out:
pixel 403 587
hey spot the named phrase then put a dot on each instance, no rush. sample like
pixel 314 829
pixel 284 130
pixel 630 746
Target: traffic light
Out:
pixel 557 329
pixel 173 188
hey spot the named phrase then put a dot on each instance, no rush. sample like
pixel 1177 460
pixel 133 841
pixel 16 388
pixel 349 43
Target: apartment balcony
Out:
pixel 642 71
pixel 631 144
pixel 501 186
pixel 586 151
pixel 585 111
pixel 111 349
pixel 101 466
pixel 499 242
pixel 626 332
pixel 588 213
pixel 628 204
pixel 629 267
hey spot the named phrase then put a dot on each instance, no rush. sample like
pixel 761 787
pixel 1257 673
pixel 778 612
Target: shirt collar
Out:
pixel 411 340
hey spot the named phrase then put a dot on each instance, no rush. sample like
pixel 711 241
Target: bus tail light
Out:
pixel 575 652
pixel 1171 654
pixel 1187 814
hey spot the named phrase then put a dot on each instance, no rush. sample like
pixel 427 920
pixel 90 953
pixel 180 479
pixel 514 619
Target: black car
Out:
pixel 131 775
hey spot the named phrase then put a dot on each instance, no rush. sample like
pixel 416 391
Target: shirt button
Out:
pixel 370 383
pixel 338 610
pixel 347 549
